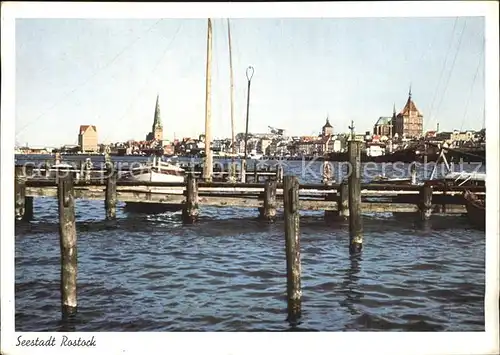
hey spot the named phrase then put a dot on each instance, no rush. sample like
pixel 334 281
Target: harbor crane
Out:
pixel 278 131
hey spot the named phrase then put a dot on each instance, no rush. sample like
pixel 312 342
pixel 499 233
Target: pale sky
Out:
pixel 108 72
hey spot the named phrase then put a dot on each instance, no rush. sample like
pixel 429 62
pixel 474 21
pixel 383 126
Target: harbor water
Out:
pixel 228 271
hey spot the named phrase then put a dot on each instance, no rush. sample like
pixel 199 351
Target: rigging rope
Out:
pixel 66 95
pixel 471 88
pixel 452 66
pixel 149 76
pixel 444 66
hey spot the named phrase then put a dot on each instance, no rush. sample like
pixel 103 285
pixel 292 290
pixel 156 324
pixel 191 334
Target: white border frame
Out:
pixel 245 343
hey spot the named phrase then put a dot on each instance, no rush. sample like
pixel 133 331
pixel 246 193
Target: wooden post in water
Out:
pixel 190 209
pixel 243 171
pixel 28 208
pixel 355 220
pixel 413 173
pixel 292 247
pixel 81 170
pixel 28 200
pixel 268 212
pixel 279 174
pixel 343 206
pixel 327 177
pixel 110 198
pixel 255 174
pixel 46 166
pixel 67 239
pixel 329 214
pixel 20 191
pixel 425 206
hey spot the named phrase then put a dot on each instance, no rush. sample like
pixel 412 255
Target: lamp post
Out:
pixel 249 73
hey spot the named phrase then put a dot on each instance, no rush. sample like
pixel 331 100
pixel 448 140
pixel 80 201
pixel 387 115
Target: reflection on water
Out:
pixel 228 273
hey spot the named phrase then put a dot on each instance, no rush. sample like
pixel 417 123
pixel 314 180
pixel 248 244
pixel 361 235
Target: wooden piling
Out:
pixel 343 202
pixel 445 189
pixel 68 245
pixel 329 214
pixel 268 212
pixel 28 208
pixel 413 173
pixel 425 206
pixel 327 177
pixel 243 171
pixel 279 174
pixel 81 173
pixel 355 220
pixel 292 247
pixel 47 169
pixel 190 208
pixel 20 192
pixel 255 174
pixel 110 197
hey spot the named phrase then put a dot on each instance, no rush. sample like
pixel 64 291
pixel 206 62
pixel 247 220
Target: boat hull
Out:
pixel 476 211
pixel 151 208
pixel 153 176
pixel 394 181
pixel 159 172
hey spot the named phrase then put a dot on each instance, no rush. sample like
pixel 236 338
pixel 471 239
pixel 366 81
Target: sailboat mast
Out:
pixel 208 166
pixel 232 86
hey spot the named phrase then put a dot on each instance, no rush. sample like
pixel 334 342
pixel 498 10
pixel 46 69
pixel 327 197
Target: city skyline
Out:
pixel 305 69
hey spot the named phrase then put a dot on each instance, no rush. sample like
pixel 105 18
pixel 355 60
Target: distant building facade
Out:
pixel 409 123
pixel 87 138
pixel 157 128
pixel 383 126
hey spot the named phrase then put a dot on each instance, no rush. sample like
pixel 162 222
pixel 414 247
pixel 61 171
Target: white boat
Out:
pixel 156 170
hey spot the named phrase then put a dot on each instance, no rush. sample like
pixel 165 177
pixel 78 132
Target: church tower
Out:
pixel 409 122
pixel 157 128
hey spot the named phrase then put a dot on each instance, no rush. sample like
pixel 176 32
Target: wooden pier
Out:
pixel 263 196
pixel 268 192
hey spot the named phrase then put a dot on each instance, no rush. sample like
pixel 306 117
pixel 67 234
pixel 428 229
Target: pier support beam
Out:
pixel 329 214
pixel 68 245
pixel 243 171
pixel 343 202
pixel 292 247
pixel 20 193
pixel 110 198
pixel 279 174
pixel 190 209
pixel 355 219
pixel 327 176
pixel 425 205
pixel 268 212
pixel 28 208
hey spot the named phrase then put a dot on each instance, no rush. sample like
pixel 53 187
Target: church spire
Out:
pixel 157 118
pixel 409 93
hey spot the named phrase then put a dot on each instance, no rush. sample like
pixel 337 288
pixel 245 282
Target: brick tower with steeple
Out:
pixel 410 121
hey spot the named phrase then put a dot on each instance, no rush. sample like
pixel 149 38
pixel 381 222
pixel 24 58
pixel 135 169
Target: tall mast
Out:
pixel 208 166
pixel 232 86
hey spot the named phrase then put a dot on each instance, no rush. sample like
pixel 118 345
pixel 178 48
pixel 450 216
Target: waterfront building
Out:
pixel 87 138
